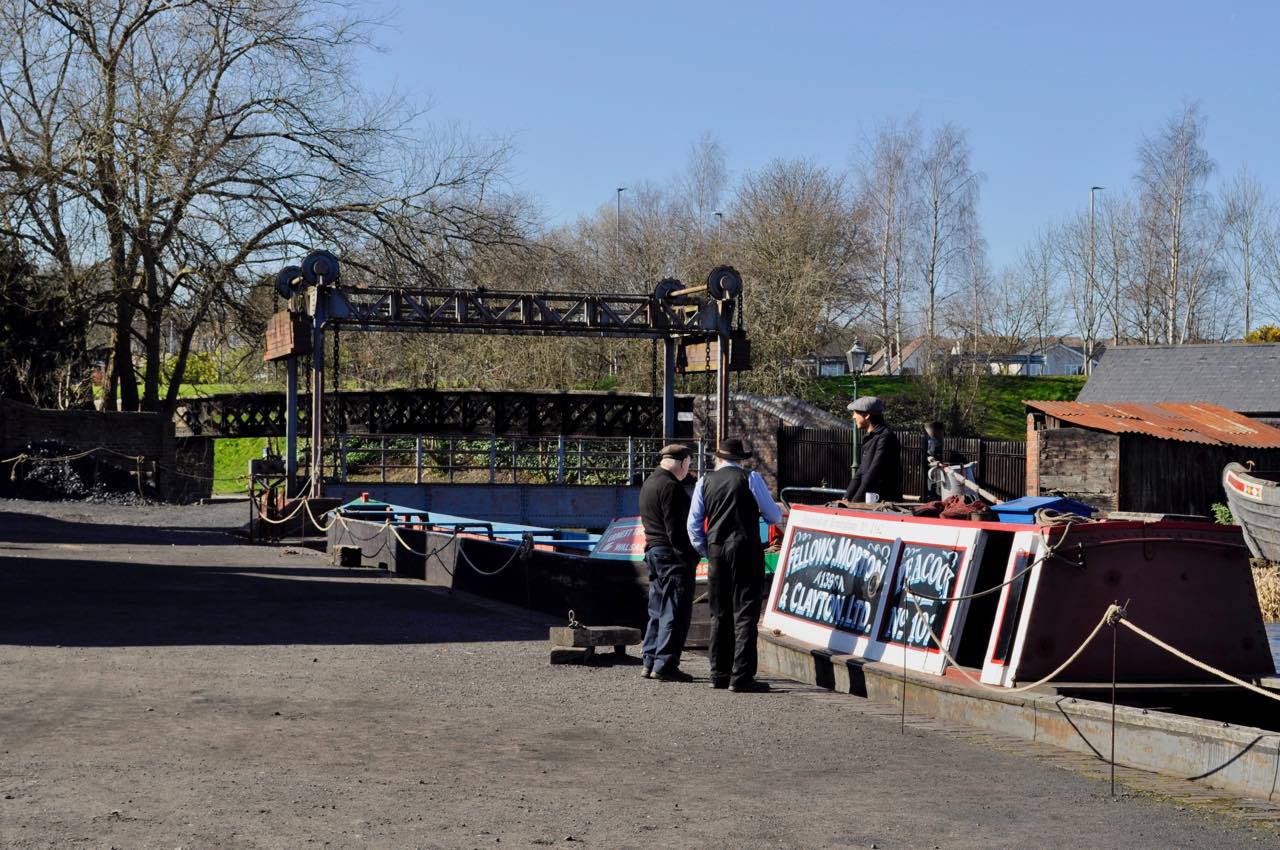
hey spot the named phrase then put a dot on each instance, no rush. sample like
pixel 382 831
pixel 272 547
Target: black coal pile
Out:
pixel 44 475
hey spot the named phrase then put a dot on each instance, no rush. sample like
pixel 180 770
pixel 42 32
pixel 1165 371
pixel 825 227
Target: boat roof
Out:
pixel 1193 422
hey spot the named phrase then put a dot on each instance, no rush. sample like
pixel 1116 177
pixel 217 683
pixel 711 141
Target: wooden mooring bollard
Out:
pixel 576 644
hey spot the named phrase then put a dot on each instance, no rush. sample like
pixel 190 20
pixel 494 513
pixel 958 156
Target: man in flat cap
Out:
pixel 672 562
pixel 732 501
pixel 879 476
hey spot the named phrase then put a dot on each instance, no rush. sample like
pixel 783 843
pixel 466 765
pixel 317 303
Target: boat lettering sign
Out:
pixel 833 579
pixel 924 581
pixel 850 581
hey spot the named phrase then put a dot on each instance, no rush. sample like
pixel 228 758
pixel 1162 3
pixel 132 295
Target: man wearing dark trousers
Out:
pixel 732 501
pixel 672 561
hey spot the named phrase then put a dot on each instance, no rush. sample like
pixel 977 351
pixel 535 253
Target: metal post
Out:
pixel 1088 354
pixel 452 459
pixel 342 455
pixel 617 243
pixel 560 461
pixel 857 434
pixel 317 396
pixel 722 378
pixel 291 427
pixel 382 442
pixel 417 460
pixel 1114 629
pixel 669 390
pixel 702 452
pixel 493 459
pixel 631 460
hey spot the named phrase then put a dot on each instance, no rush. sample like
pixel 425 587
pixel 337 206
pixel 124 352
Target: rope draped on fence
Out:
pixel 26 457
pixel 522 552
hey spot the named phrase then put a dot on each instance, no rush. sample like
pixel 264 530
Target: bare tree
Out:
pixel 1246 217
pixel 1116 257
pixel 885 188
pixel 1173 171
pixel 1040 285
pixel 181 147
pixel 947 189
pixel 1087 300
pixel 796 247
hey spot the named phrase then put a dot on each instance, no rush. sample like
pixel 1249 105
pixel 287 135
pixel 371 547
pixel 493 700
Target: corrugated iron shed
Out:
pixel 1194 422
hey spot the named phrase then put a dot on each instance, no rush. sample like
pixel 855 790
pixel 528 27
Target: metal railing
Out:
pixel 421 459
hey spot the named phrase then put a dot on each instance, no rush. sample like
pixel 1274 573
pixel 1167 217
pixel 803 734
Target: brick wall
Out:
pixel 756 428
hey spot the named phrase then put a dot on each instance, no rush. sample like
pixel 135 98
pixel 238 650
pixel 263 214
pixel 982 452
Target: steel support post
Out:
pixel 317 398
pixel 291 428
pixel 669 390
pixel 722 379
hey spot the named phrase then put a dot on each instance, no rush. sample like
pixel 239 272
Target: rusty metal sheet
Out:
pixel 1188 422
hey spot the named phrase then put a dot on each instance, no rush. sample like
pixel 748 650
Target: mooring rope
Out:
pixel 1113 614
pixel 1208 668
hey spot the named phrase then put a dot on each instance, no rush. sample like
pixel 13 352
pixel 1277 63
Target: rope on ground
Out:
pixel 1111 616
pixel 1208 668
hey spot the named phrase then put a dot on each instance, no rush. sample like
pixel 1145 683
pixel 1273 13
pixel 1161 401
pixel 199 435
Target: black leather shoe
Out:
pixel 673 676
pixel 751 686
pixel 719 684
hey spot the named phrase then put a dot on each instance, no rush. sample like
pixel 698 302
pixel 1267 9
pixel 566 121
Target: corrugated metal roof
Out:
pixel 1198 422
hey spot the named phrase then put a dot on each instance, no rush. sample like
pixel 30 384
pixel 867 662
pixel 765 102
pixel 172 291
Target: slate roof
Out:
pixel 1240 377
pixel 1187 423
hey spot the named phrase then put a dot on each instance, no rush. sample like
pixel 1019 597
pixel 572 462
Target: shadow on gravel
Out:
pixel 56 602
pixel 34 528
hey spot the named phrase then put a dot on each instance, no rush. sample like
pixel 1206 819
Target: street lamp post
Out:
pixel 617 239
pixel 719 227
pixel 856 359
pixel 1088 354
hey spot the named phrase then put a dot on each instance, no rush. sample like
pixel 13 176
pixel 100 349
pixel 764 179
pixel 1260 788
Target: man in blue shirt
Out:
pixel 731 502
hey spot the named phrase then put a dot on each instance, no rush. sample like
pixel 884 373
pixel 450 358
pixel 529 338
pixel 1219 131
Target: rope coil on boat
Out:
pixel 1051 551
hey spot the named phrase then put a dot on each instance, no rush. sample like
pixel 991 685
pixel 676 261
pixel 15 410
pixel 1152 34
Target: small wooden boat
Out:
pixel 1254 498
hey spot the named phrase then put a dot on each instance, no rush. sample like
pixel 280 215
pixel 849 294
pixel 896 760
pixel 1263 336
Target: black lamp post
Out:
pixel 856 359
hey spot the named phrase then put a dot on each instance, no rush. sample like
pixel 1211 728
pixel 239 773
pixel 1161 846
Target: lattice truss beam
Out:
pixel 432 412
pixel 482 311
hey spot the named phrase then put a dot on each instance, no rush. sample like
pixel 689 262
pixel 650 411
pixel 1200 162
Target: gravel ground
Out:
pixel 163 684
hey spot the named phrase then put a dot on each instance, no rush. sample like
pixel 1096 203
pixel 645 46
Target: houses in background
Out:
pixel 1058 356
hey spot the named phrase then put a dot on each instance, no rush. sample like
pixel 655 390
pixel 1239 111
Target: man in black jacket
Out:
pixel 672 561
pixel 879 476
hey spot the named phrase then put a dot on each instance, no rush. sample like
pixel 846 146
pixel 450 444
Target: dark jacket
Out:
pixel 664 512
pixel 879 468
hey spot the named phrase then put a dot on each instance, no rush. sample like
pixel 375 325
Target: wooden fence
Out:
pixel 822 457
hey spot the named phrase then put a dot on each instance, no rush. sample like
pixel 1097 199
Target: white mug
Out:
pixel 871 498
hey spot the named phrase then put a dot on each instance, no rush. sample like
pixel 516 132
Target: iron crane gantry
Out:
pixel 318 298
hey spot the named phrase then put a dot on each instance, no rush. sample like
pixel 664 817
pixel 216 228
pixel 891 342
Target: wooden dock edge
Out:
pixel 1240 759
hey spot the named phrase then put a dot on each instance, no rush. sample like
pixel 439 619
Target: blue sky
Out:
pixel 1055 96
